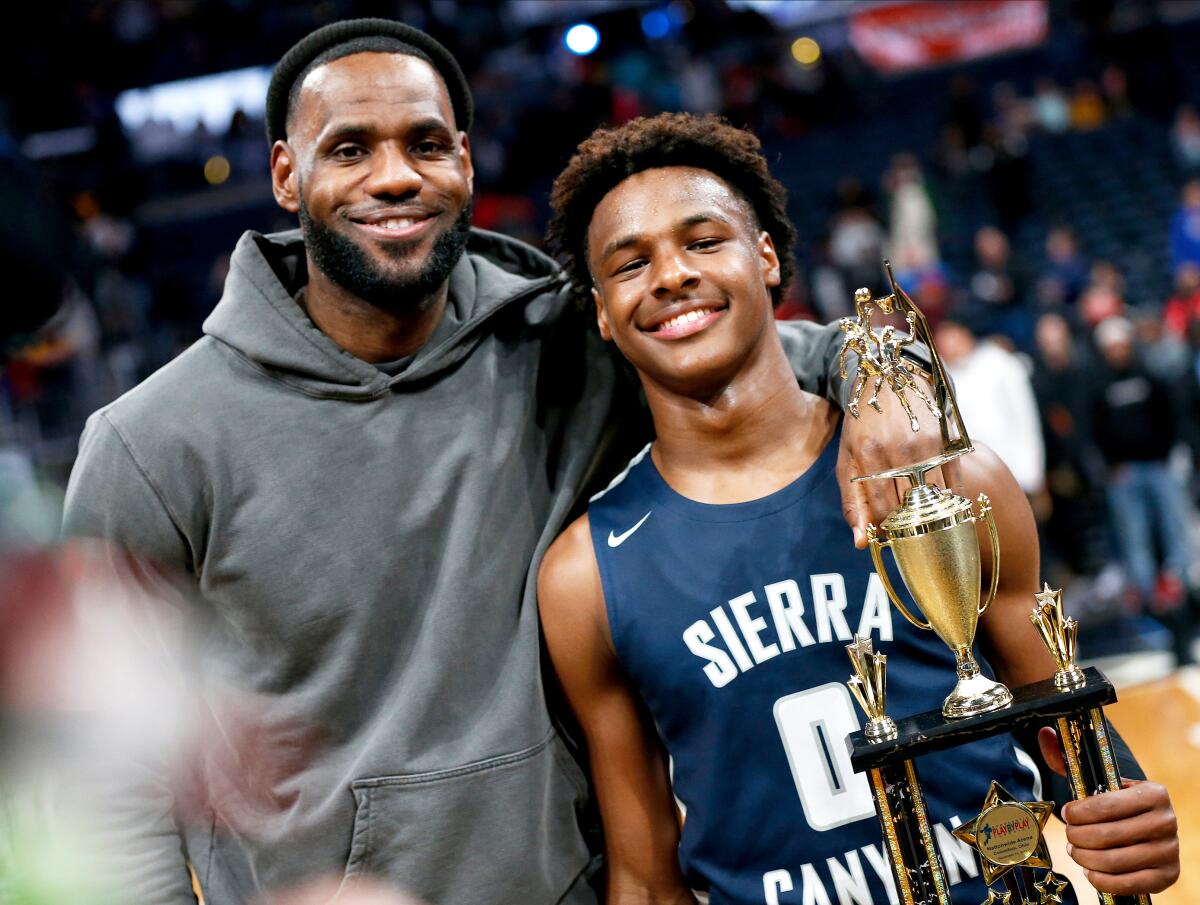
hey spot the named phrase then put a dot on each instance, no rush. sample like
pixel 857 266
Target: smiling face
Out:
pixel 380 176
pixel 682 277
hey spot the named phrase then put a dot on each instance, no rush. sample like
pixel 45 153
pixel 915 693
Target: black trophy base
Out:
pixel 1036 704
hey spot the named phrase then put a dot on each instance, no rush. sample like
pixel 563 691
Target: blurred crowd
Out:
pixel 1087 384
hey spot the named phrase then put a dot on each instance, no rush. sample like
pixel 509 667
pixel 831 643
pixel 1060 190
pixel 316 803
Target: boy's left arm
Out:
pixel 1127 841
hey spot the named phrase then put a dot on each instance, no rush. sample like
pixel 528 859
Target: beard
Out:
pixel 351 267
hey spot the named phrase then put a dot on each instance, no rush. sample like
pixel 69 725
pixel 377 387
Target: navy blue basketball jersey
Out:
pixel 731 623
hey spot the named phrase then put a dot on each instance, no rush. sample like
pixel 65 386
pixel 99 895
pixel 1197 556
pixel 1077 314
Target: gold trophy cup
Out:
pixel 933 534
pixel 933 538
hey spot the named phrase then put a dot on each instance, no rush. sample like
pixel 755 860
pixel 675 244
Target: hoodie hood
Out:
pixel 259 319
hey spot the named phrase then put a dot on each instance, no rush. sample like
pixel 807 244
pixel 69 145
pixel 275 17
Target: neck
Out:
pixel 364 330
pixel 751 437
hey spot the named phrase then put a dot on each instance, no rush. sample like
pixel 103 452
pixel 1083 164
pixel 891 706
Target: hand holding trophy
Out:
pixel 933 537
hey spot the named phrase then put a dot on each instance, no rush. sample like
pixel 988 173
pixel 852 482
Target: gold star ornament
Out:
pixel 1050 890
pixel 1008 833
pixel 998 898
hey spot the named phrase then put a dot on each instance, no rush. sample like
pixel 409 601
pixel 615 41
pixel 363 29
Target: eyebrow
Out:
pixel 424 126
pixel 693 220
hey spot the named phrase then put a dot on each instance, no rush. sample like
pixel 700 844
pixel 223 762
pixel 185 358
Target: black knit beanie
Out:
pixel 313 45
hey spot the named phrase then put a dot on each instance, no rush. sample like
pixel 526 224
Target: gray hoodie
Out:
pixel 360 545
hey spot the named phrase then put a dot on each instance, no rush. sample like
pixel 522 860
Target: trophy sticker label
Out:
pixel 1008 833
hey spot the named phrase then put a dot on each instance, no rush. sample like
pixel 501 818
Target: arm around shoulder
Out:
pixel 627 761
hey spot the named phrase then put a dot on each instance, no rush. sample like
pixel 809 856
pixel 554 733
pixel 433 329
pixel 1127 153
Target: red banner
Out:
pixel 907 36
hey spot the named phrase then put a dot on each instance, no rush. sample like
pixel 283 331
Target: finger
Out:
pixel 1146 827
pixel 1052 752
pixel 1142 881
pixel 1155 855
pixel 855 507
pixel 1136 798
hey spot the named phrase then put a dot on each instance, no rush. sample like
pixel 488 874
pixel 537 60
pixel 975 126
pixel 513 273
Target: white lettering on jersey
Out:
pixel 743 635
pixel 848 879
pixel 814 889
pixel 752 628
pixel 829 606
pixel 878 860
pixel 876 611
pixel 775 882
pixel 956 854
pixel 849 884
pixel 720 669
pixel 788 621
pixel 732 641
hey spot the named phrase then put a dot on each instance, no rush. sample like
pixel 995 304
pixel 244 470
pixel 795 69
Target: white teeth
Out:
pixel 687 318
pixel 396 223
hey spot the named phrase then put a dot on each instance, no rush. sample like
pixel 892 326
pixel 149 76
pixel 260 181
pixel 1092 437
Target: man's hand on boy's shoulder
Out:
pixel 1126 841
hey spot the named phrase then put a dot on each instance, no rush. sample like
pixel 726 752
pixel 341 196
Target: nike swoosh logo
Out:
pixel 615 540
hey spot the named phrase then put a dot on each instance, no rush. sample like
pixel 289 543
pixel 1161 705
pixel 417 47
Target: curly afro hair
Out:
pixel 610 156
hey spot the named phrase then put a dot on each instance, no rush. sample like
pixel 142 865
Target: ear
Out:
pixel 285 177
pixel 601 316
pixel 464 155
pixel 768 260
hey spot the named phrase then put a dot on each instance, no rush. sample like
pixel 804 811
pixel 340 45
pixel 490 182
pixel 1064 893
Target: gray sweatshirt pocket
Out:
pixel 449 836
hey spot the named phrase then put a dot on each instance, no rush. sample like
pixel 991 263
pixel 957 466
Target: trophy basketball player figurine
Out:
pixel 933 537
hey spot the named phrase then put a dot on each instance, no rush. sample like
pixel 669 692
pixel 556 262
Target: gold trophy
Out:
pixel 933 537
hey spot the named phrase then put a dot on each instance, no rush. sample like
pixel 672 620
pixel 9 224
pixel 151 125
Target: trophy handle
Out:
pixel 985 513
pixel 876 546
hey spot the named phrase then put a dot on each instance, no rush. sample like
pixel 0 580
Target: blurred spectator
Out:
pixel 1050 107
pixel 999 289
pixel 1072 523
pixel 1087 107
pixel 1065 272
pixel 1165 354
pixel 912 222
pixel 1114 85
pixel 1135 428
pixel 1185 227
pixel 856 246
pixel 963 109
pixel 1185 137
pixel 1183 307
pixel 1013 114
pixel 1104 296
pixel 996 401
pixel 1008 176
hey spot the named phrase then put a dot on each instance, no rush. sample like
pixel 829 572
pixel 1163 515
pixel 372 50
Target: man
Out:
pixel 697 614
pixel 1135 425
pixel 389 418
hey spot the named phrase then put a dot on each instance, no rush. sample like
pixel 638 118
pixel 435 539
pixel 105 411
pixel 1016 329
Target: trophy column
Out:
pixel 899 803
pixel 1087 748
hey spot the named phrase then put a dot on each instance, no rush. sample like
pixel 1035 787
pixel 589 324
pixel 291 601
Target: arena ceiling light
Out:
pixel 582 39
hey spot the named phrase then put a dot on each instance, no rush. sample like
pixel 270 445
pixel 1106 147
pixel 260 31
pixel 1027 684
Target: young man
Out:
pixel 697 614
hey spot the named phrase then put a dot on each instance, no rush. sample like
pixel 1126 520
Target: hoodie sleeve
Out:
pixel 813 351
pixel 110 498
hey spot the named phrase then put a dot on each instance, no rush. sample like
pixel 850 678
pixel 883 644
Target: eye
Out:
pixel 631 266
pixel 705 244
pixel 429 146
pixel 348 152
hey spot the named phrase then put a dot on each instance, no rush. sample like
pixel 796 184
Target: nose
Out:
pixel 392 174
pixel 673 276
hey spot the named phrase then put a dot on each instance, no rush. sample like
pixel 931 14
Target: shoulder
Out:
pixel 983 472
pixel 569 572
pixel 571 594
pixel 181 384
